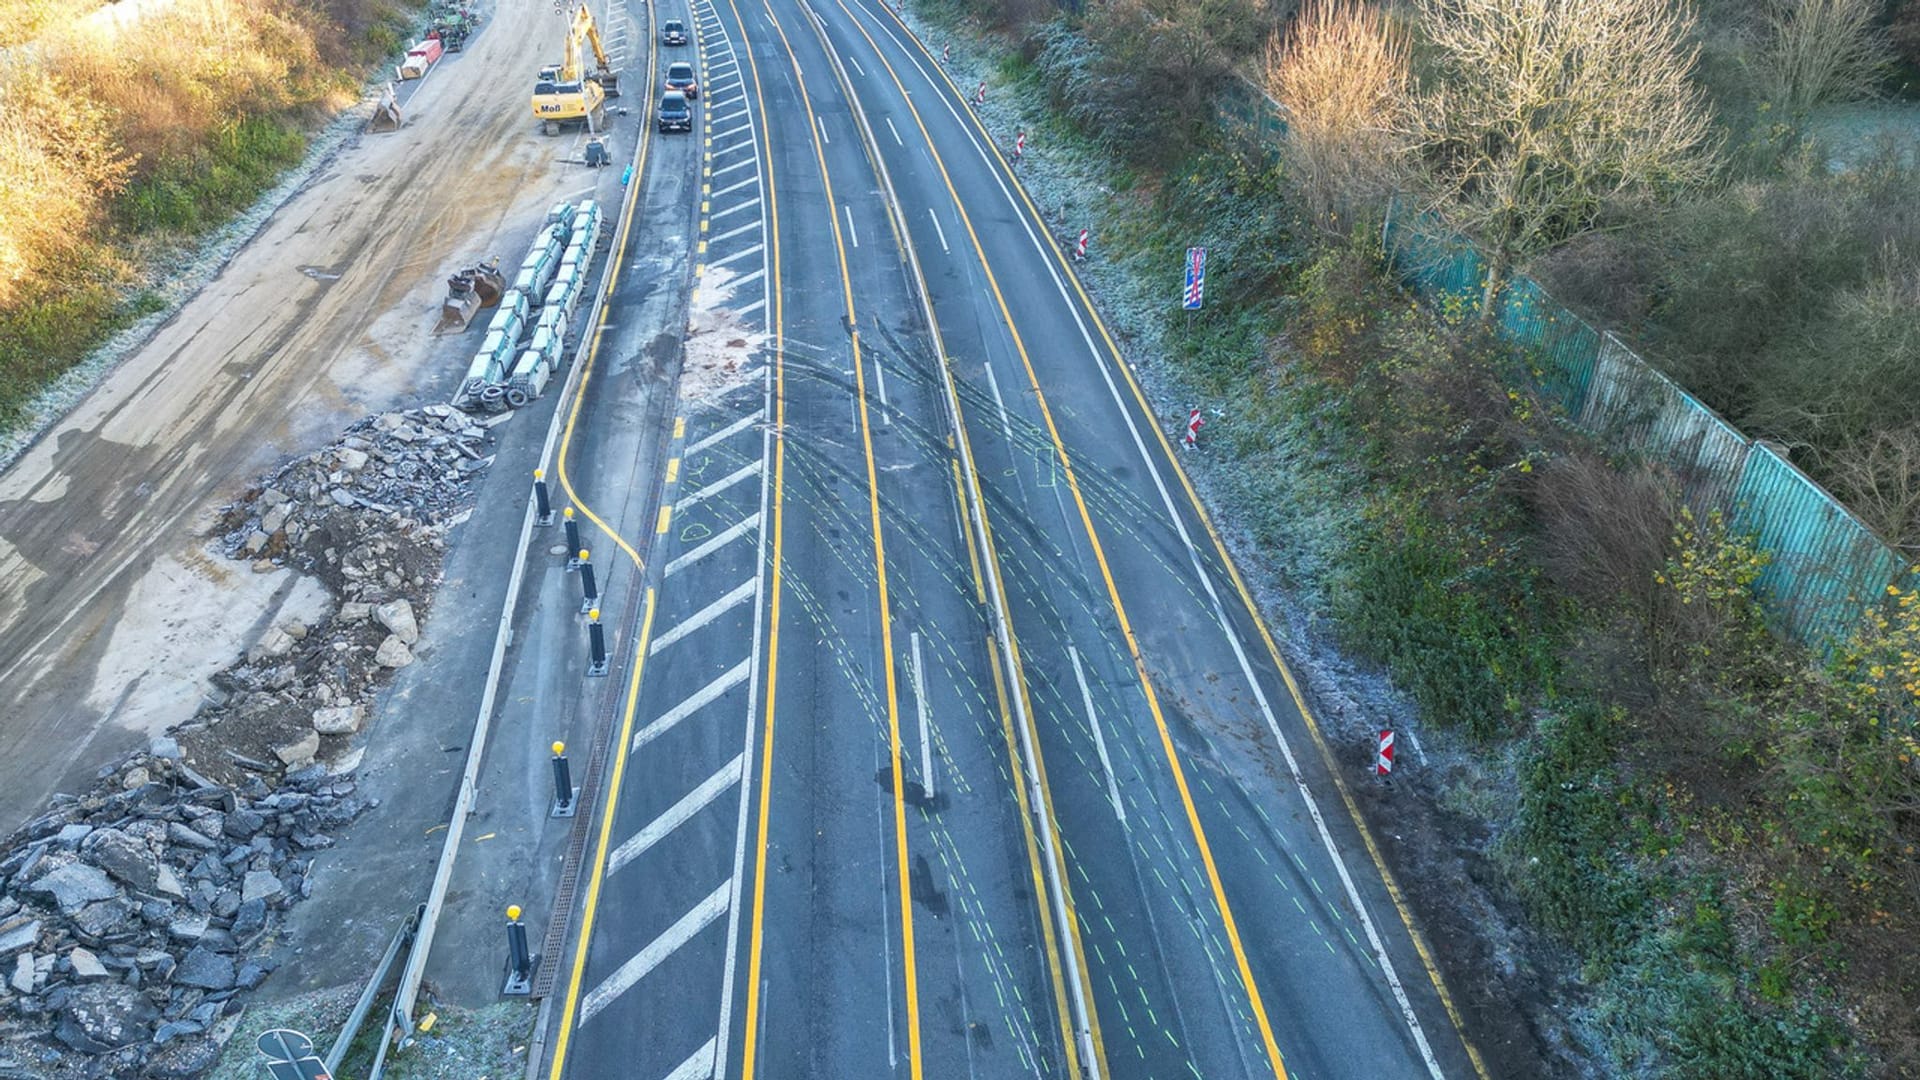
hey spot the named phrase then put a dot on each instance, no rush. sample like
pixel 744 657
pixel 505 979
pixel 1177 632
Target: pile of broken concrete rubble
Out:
pixel 133 918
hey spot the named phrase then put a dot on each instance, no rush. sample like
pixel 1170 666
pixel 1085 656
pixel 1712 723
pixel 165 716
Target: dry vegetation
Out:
pixel 1342 75
pixel 138 121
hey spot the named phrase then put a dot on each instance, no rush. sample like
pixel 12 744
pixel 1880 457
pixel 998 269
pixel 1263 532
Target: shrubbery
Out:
pixel 116 128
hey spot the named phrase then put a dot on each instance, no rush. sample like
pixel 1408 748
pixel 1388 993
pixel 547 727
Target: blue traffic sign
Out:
pixel 1196 279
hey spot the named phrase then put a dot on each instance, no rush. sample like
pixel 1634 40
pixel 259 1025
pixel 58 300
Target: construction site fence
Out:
pixel 1825 566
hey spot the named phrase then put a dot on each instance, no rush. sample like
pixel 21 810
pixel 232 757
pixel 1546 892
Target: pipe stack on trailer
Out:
pixel 580 226
pixel 522 350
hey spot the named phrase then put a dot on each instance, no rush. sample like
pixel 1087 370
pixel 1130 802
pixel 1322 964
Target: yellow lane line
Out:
pixel 585 934
pixel 1113 593
pixel 565 1036
pixel 1116 360
pixel 909 961
pixel 1033 864
pixel 593 350
pixel 750 1041
pixel 1068 914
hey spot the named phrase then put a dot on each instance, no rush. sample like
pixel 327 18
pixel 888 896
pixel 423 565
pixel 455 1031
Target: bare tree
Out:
pixel 1818 51
pixel 1540 113
pixel 1341 74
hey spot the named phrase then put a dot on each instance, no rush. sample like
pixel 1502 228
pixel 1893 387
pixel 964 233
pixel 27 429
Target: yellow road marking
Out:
pixel 909 961
pixel 600 851
pixel 666 516
pixel 1116 360
pixel 585 934
pixel 1068 1027
pixel 750 1039
pixel 1113 593
pixel 673 469
pixel 1033 863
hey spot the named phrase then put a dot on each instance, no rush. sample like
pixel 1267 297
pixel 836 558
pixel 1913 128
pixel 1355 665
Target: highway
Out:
pixel 947 740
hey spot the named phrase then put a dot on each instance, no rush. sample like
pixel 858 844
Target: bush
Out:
pixel 1565 848
pixel 166 122
pixel 1139 84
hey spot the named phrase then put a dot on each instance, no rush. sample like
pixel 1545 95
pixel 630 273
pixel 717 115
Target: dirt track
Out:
pixel 322 318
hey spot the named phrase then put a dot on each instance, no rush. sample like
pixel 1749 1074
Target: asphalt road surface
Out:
pixel 949 743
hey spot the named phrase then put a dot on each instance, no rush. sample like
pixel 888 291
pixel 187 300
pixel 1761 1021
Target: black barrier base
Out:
pixel 520 984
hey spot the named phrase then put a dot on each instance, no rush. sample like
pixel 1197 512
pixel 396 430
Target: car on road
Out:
pixel 680 77
pixel 673 32
pixel 675 114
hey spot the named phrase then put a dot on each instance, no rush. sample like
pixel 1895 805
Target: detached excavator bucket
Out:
pixel 386 115
pixel 462 301
pixel 488 283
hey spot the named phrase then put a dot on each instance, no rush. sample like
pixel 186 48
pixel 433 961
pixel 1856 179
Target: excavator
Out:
pixel 567 94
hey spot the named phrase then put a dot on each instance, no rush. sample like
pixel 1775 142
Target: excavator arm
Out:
pixel 585 30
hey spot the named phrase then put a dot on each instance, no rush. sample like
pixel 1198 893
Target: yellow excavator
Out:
pixel 566 94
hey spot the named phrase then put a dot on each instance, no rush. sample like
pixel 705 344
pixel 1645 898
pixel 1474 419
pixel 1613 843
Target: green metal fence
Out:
pixel 1826 566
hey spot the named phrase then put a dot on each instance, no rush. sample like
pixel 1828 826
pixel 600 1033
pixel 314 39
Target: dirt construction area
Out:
pixel 112 611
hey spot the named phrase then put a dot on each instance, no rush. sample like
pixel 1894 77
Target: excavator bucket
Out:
pixel 463 299
pixel 488 283
pixel 386 115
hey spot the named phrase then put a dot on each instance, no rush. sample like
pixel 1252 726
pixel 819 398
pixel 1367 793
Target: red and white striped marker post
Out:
pixel 1192 441
pixel 1080 245
pixel 980 95
pixel 1383 757
pixel 1019 146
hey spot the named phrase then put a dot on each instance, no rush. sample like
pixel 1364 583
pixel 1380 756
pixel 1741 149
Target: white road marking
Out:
pixel 725 1028
pixel 880 383
pixel 701 698
pixel 822 121
pixel 657 950
pixel 720 540
pixel 857 67
pixel 737 164
pixel 851 233
pixel 676 815
pixel 741 254
pixel 727 432
pixel 697 1067
pixel 920 705
pixel 1099 740
pixel 704 616
pixel 745 204
pixel 731 233
pixel 747 309
pixel 748 278
pixel 718 486
pixel 733 187
pixel 942 233
pixel 897 142
pixel 1006 425
pixel 744 145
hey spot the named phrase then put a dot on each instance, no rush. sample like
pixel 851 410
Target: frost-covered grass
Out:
pixel 170 276
pixel 462 1044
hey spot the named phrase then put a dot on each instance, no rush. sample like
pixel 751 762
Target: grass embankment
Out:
pixel 129 129
pixel 1719 827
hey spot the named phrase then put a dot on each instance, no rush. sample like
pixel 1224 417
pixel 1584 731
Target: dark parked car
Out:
pixel 675 113
pixel 673 32
pixel 680 77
